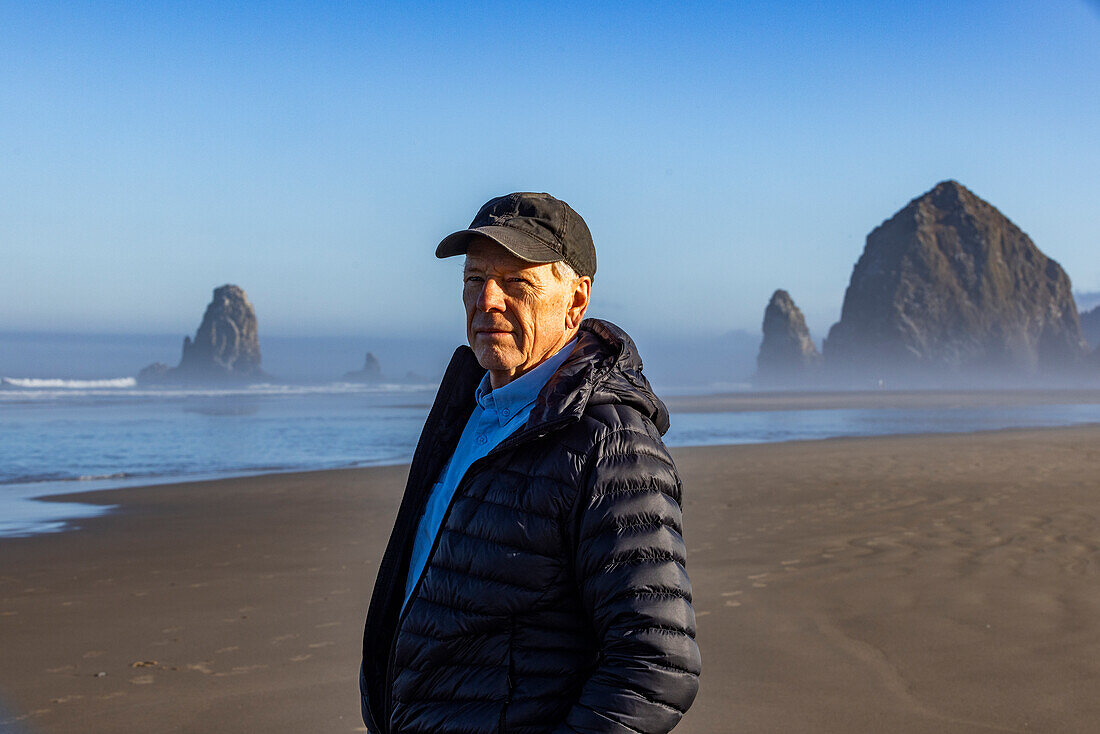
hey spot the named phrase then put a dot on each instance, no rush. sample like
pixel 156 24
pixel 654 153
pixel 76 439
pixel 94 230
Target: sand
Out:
pixel 944 583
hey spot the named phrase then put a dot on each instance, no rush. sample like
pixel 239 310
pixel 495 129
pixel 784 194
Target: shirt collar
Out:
pixel 511 399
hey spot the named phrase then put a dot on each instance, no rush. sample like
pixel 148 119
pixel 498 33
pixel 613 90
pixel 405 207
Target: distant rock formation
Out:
pixel 371 372
pixel 1090 327
pixel 950 286
pixel 156 372
pixel 227 340
pixel 226 346
pixel 787 354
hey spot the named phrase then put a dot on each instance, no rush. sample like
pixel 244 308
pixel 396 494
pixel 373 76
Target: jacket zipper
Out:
pixel 507 443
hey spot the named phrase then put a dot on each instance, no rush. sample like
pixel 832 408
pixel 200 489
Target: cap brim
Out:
pixel 519 244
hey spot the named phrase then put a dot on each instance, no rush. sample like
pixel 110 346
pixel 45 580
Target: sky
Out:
pixel 315 153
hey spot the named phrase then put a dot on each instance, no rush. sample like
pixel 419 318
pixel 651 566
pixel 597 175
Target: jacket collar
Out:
pixel 512 399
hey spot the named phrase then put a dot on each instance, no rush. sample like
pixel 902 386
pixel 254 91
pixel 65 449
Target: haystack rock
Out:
pixel 371 372
pixel 787 354
pixel 226 346
pixel 950 286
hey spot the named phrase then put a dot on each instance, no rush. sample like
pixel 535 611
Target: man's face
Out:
pixel 517 313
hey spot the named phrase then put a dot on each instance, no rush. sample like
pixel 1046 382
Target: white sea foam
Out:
pixel 37 389
pixel 97 477
pixel 37 383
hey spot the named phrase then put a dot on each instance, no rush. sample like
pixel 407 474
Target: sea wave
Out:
pixel 31 389
pixel 39 383
pixel 54 476
pixel 97 477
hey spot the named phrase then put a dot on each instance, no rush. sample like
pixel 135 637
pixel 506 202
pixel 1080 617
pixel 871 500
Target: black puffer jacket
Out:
pixel 555 597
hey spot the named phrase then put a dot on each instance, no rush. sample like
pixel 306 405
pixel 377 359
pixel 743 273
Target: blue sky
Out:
pixel 314 153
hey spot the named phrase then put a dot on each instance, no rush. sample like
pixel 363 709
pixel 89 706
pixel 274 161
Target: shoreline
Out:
pixel 695 422
pixel 779 401
pixel 80 495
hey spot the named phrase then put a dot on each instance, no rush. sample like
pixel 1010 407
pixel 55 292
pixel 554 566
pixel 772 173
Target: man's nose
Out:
pixel 492 297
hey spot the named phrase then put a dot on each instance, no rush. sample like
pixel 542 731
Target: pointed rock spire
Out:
pixel 786 353
pixel 226 345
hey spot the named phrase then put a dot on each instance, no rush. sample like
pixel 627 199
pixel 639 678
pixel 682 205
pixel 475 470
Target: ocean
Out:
pixel 62 435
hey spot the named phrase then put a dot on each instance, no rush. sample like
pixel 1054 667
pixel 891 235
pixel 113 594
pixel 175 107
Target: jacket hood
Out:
pixel 604 368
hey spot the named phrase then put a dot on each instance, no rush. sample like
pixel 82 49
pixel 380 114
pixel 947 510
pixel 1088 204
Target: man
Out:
pixel 534 580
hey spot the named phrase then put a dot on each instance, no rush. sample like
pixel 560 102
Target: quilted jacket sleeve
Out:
pixel 629 562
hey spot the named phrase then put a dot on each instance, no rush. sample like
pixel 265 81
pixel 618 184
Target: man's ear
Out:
pixel 582 291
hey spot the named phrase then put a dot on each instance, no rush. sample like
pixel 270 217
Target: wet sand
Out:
pixel 944 583
pixel 737 402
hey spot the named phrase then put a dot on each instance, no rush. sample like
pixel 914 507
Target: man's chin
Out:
pixel 491 358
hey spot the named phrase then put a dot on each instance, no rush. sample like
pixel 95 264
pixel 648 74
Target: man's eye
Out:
pixel 472 279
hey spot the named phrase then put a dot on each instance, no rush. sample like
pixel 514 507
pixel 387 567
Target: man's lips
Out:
pixel 492 329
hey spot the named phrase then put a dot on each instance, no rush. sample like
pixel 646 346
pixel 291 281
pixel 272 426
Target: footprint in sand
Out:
pixel 321 644
pixel 300 658
pixel 282 638
pixel 142 680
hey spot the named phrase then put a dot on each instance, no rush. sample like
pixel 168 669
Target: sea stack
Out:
pixel 950 287
pixel 371 372
pixel 787 354
pixel 226 346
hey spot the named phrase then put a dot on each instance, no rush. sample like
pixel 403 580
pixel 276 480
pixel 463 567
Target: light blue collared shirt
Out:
pixel 497 414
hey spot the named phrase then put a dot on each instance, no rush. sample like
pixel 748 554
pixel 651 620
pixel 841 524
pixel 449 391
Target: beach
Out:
pixel 921 583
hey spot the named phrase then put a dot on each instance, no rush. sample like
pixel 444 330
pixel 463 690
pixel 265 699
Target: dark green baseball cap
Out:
pixel 534 227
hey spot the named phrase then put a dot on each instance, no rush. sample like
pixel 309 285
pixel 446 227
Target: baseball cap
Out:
pixel 534 227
